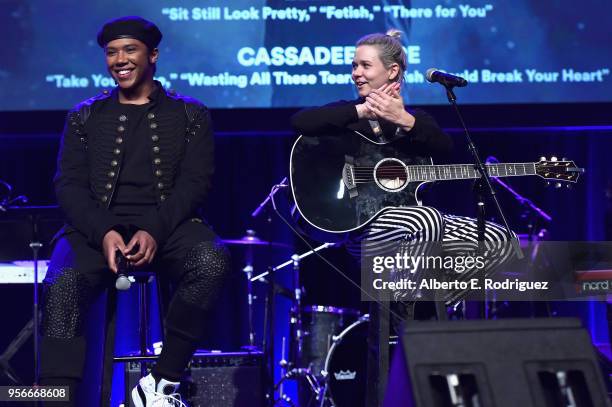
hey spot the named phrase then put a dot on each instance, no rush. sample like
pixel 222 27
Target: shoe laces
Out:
pixel 174 399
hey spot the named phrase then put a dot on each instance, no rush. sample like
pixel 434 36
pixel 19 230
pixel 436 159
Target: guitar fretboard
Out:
pixel 467 171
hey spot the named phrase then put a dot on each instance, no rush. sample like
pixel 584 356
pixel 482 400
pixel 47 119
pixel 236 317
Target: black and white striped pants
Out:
pixel 420 229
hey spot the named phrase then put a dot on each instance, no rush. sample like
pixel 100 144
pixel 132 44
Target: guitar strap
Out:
pixel 378 132
pixel 376 128
pixel 380 135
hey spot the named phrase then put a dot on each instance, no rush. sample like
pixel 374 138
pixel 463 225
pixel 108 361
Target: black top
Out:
pixel 135 187
pixel 426 138
pixel 92 156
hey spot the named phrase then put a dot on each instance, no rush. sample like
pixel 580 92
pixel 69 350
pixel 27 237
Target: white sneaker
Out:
pixel 163 394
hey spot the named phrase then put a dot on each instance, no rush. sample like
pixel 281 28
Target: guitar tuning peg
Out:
pixel 542 158
pixel 558 185
pixel 553 158
pixel 564 159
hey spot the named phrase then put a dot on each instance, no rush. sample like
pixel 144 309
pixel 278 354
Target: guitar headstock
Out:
pixel 558 170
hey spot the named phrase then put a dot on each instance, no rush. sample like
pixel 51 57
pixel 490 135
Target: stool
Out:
pixel 142 280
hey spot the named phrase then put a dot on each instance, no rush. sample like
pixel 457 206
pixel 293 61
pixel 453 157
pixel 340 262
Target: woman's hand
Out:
pixel 387 103
pixel 363 112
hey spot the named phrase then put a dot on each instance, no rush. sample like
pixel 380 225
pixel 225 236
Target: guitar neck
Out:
pixel 467 171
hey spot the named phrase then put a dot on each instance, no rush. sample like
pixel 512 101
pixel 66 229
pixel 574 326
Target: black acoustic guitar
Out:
pixel 340 181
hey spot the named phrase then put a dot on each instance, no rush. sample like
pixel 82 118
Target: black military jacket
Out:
pixel 91 154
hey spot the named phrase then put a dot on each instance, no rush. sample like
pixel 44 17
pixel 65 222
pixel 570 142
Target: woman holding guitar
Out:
pixel 379 115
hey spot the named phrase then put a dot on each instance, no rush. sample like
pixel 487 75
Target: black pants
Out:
pixel 192 258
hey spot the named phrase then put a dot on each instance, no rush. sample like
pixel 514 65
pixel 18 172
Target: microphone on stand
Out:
pixel 123 282
pixel 282 184
pixel 443 78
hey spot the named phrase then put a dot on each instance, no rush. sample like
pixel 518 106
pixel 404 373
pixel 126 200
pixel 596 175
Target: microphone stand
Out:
pixel 482 186
pixel 259 208
pixel 35 245
pixel 534 213
pixel 270 301
pixel 485 182
pixel 523 200
pixel 34 215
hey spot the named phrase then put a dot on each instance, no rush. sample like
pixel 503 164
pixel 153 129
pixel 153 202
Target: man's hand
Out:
pixel 111 242
pixel 147 246
pixel 387 103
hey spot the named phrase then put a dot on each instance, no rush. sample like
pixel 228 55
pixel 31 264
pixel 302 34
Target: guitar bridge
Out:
pixel 348 177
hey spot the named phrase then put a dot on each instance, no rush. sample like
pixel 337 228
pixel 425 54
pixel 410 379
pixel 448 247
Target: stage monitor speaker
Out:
pixel 217 380
pixel 503 363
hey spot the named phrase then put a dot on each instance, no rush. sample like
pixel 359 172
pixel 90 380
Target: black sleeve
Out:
pixel 191 185
pixel 426 136
pixel 85 213
pixel 316 120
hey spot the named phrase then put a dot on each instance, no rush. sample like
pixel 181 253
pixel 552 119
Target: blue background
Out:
pixel 58 37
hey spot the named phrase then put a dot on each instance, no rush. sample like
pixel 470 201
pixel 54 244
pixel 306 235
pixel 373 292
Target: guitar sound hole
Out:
pixel 391 175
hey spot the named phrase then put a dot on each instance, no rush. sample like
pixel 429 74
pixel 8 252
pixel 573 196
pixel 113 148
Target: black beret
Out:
pixel 130 27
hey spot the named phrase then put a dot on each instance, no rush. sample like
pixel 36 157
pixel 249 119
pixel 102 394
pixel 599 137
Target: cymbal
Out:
pixel 254 241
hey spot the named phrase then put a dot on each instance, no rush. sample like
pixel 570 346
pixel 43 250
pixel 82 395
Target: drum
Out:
pixel 346 366
pixel 319 325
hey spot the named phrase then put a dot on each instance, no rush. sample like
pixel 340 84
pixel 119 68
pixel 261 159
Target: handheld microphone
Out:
pixel 443 78
pixel 122 283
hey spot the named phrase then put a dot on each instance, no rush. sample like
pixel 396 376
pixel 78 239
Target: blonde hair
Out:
pixel 390 50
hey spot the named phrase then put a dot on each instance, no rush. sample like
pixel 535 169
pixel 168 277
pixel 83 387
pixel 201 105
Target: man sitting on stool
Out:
pixel 133 167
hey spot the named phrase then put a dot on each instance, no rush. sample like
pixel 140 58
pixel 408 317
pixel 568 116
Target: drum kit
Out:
pixel 331 355
pixel 327 346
